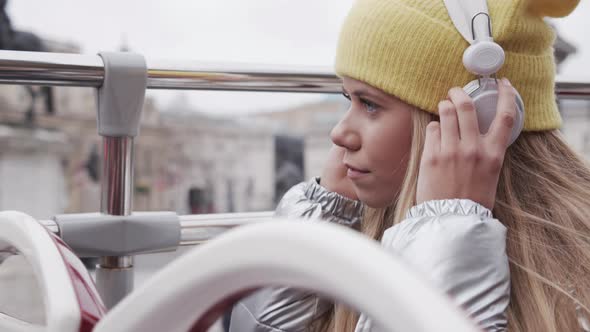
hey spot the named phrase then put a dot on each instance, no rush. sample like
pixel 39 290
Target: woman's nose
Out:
pixel 345 136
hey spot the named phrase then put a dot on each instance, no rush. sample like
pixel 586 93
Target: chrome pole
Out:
pixel 40 68
pixel 114 274
pixel 573 90
pixel 200 228
pixel 116 180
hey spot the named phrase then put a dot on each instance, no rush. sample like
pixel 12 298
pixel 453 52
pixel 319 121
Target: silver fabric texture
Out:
pixel 312 201
pixel 457 245
pixel 454 243
pixel 439 208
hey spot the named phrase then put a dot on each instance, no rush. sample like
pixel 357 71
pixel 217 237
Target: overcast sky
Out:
pixel 261 31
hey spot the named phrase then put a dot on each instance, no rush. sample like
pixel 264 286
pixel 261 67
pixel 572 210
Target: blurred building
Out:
pixel 228 163
pixel 312 124
pixel 576 124
pixel 184 161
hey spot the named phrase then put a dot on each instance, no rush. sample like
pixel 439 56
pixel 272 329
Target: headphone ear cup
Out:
pixel 484 58
pixel 485 99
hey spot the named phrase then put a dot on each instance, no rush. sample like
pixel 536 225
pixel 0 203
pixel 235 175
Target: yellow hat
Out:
pixel 412 50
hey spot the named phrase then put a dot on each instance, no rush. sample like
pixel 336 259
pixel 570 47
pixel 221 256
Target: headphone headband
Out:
pixel 464 14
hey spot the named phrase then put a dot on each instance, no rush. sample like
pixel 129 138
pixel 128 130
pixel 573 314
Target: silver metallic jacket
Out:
pixel 455 243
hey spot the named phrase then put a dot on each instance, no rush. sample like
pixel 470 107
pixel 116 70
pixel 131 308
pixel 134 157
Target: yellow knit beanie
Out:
pixel 411 49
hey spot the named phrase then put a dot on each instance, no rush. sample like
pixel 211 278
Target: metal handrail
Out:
pixel 41 68
pixel 200 228
pixel 197 229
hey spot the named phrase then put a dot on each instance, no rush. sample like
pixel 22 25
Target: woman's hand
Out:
pixel 459 162
pixel 334 177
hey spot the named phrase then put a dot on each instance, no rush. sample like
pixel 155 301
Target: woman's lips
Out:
pixel 355 173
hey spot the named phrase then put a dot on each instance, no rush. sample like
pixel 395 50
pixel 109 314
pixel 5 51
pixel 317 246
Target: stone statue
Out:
pixel 15 40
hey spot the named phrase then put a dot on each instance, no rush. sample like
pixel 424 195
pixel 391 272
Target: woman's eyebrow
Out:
pixel 366 93
pixel 362 92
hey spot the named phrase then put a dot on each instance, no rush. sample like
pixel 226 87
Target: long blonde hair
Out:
pixel 543 199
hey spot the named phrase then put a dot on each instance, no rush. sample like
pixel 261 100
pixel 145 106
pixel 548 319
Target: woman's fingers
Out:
pixel 501 129
pixel 468 166
pixel 449 127
pixel 432 142
pixel 467 117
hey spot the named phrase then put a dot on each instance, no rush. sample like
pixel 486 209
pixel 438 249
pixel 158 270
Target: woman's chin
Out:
pixel 373 200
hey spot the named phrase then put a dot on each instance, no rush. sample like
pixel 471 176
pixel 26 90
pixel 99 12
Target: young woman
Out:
pixel 410 150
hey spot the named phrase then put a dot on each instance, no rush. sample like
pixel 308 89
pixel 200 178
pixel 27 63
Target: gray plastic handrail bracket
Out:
pixel 121 96
pixel 97 234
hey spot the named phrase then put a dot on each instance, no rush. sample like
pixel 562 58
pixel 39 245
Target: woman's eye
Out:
pixel 371 107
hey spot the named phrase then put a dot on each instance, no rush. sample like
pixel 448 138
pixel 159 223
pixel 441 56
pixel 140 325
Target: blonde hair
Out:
pixel 543 199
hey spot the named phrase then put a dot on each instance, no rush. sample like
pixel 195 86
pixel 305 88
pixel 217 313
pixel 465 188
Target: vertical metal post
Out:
pixel 117 176
pixel 120 102
pixel 114 275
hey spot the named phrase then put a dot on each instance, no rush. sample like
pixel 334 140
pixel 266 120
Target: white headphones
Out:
pixel 483 58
